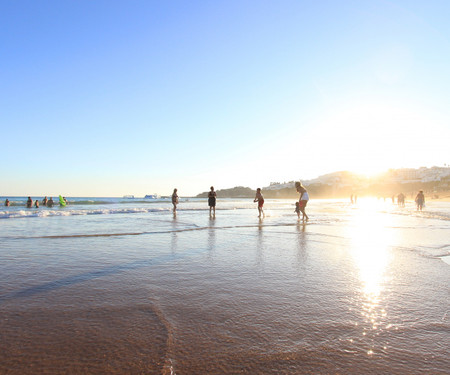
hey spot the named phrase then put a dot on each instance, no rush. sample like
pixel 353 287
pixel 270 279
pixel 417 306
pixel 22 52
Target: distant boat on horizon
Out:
pixel 128 196
pixel 152 196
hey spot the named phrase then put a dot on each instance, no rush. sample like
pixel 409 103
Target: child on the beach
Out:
pixel 297 209
pixel 260 199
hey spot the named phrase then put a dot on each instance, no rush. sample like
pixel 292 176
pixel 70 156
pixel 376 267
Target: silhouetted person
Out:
pixel 297 209
pixel 36 204
pixel 212 201
pixel 401 200
pixel 29 202
pixel 260 199
pixel 420 200
pixel 175 200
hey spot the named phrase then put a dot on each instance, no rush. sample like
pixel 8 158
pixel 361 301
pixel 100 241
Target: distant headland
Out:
pixel 435 182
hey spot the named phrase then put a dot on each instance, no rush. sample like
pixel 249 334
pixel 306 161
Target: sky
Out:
pixel 110 98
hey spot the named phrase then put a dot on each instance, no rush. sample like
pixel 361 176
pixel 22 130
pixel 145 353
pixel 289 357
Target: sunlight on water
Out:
pixel 370 241
pixel 354 290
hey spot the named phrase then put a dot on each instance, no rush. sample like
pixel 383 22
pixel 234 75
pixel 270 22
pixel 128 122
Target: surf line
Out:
pixel 158 232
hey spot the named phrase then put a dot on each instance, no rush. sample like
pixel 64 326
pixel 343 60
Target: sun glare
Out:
pixel 370 239
pixel 369 242
pixel 367 136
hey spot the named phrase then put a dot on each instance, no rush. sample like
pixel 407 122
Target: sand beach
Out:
pixel 127 288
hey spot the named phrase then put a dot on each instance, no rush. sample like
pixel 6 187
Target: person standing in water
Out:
pixel 401 200
pixel 36 204
pixel 260 199
pixel 297 209
pixel 420 200
pixel 175 200
pixel 212 201
pixel 29 202
pixel 304 198
pixel 44 201
pixel 7 202
pixel 50 202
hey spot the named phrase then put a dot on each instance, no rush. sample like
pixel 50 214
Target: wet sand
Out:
pixel 360 295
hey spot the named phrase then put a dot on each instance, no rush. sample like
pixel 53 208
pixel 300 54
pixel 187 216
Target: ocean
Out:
pixel 124 286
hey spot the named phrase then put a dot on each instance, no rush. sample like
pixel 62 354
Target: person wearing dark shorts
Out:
pixel 212 201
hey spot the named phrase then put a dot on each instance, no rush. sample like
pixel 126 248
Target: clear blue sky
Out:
pixel 106 98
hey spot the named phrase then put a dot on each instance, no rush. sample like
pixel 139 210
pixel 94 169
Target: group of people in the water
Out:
pixel 212 196
pixel 419 200
pixel 300 206
pixel 45 202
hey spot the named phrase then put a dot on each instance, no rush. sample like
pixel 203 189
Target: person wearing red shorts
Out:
pixel 260 199
pixel 303 201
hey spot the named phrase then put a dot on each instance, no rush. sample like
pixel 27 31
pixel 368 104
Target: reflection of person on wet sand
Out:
pixel 175 200
pixel 420 200
pixel 212 201
pixel 260 199
pixel 304 198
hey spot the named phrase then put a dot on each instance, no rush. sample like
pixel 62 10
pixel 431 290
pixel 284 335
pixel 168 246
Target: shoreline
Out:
pixel 351 291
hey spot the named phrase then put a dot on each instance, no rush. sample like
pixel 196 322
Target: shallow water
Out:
pixel 126 287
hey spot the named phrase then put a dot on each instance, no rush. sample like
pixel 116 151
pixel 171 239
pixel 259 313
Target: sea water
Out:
pixel 111 285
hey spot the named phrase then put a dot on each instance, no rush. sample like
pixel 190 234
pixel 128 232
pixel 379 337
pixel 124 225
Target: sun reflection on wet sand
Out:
pixel 370 240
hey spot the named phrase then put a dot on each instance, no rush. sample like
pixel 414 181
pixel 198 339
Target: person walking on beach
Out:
pixel 7 202
pixel 260 199
pixel 212 201
pixel 304 198
pixel 175 200
pixel 29 202
pixel 50 202
pixel 420 200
